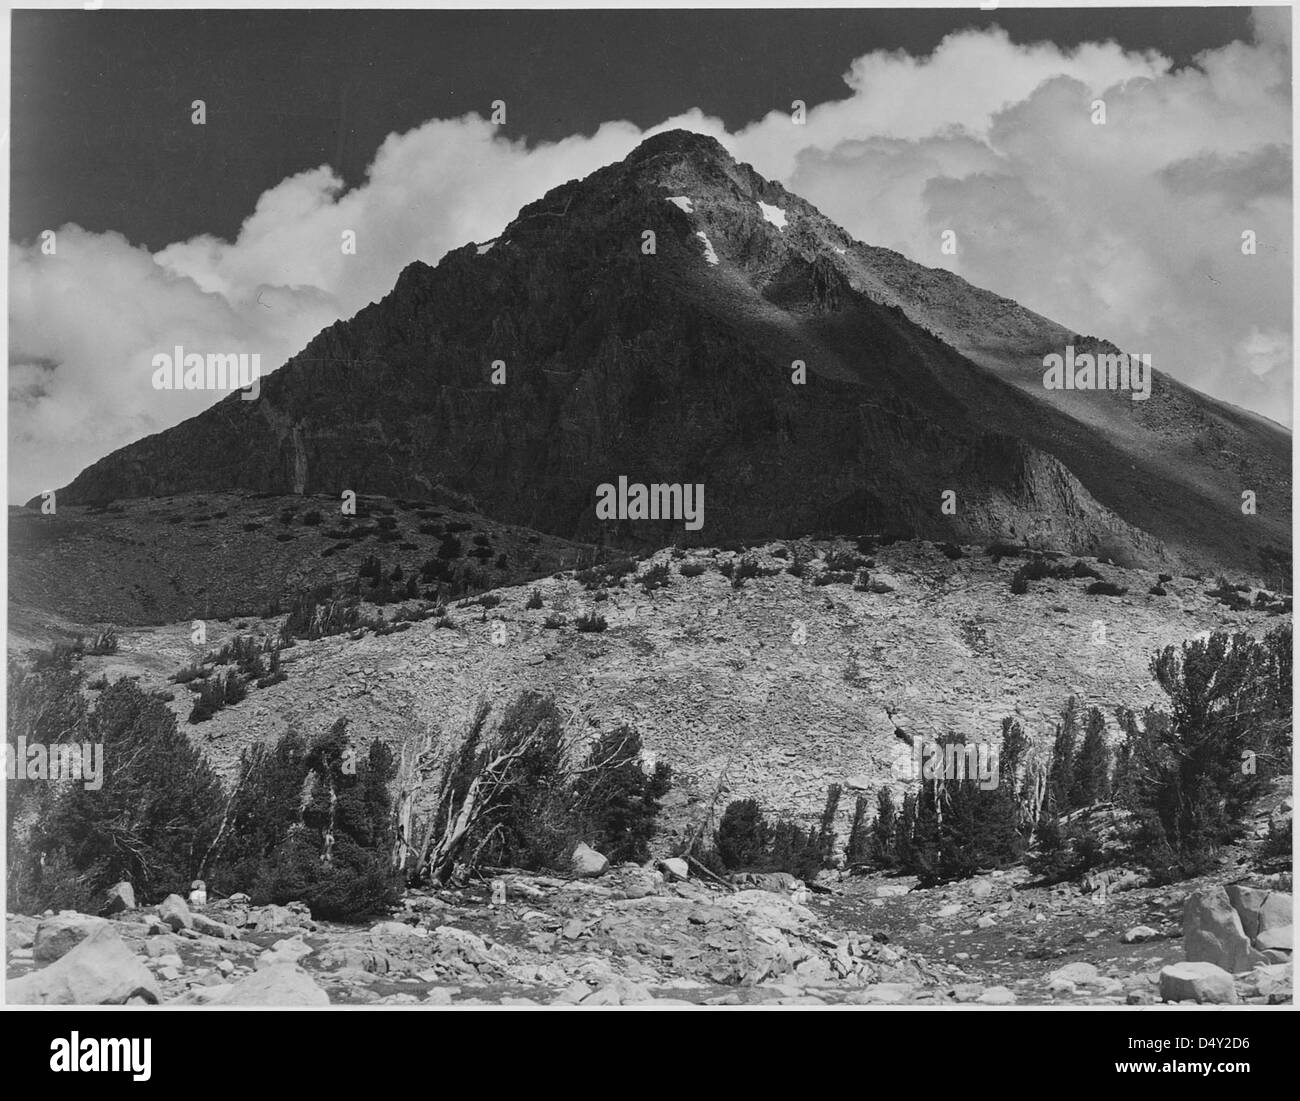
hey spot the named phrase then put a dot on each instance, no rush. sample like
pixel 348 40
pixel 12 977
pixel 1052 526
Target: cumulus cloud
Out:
pixel 1131 229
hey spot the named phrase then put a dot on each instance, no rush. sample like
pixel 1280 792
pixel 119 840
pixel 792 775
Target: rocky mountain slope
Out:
pixel 786 683
pixel 229 555
pixel 676 366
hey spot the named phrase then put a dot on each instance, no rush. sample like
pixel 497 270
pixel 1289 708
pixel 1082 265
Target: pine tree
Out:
pixel 904 854
pixel 615 800
pixel 825 843
pixel 1061 782
pixel 338 858
pixel 265 805
pixel 1092 769
pixel 743 839
pixel 858 851
pixel 884 831
pixel 925 835
pixel 155 815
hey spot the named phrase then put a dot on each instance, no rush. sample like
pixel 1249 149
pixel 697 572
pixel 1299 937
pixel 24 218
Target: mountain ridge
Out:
pixel 669 367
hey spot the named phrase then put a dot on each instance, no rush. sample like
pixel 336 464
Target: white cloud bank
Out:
pixel 1130 230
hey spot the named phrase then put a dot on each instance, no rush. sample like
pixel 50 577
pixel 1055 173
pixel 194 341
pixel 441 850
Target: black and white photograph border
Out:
pixel 670 507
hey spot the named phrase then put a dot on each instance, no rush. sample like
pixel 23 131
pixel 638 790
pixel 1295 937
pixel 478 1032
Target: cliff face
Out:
pixel 676 366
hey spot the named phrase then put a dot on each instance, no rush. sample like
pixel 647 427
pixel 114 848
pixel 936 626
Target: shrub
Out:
pixel 450 547
pixel 656 577
pixel 999 550
pixel 951 551
pixel 1157 590
pixel 846 561
pixel 555 621
pixel 534 600
pixel 591 622
pixel 1105 588
pixel 692 569
pixel 189 673
pixel 1082 569
pixel 312 518
pixel 832 577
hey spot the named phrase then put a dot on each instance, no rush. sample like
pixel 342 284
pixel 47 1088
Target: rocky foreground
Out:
pixel 652 935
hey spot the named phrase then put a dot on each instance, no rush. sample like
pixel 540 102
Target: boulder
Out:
pixel 57 936
pixel 289 951
pixel 1267 979
pixel 674 868
pixel 280 919
pixel 997 995
pixel 1212 932
pixel 587 862
pixel 20 931
pixel 100 970
pixel 1138 934
pixel 1278 937
pixel 176 913
pixel 1081 974
pixel 210 927
pixel 395 930
pixel 281 985
pixel 1197 981
pixel 780 882
pixel 1261 911
pixel 118 898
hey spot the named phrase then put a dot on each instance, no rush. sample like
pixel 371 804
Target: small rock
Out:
pixel 997 995
pixel 1138 934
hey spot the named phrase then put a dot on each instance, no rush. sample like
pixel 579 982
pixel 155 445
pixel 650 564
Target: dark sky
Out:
pixel 101 131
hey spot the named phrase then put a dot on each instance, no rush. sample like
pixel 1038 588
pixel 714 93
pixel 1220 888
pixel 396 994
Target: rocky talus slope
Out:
pixel 786 683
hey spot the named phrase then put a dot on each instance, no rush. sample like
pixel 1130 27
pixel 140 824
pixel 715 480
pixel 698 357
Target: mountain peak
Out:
pixel 680 143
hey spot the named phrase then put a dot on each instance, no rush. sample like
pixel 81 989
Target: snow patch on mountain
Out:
pixel 709 255
pixel 773 214
pixel 486 245
pixel 682 203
